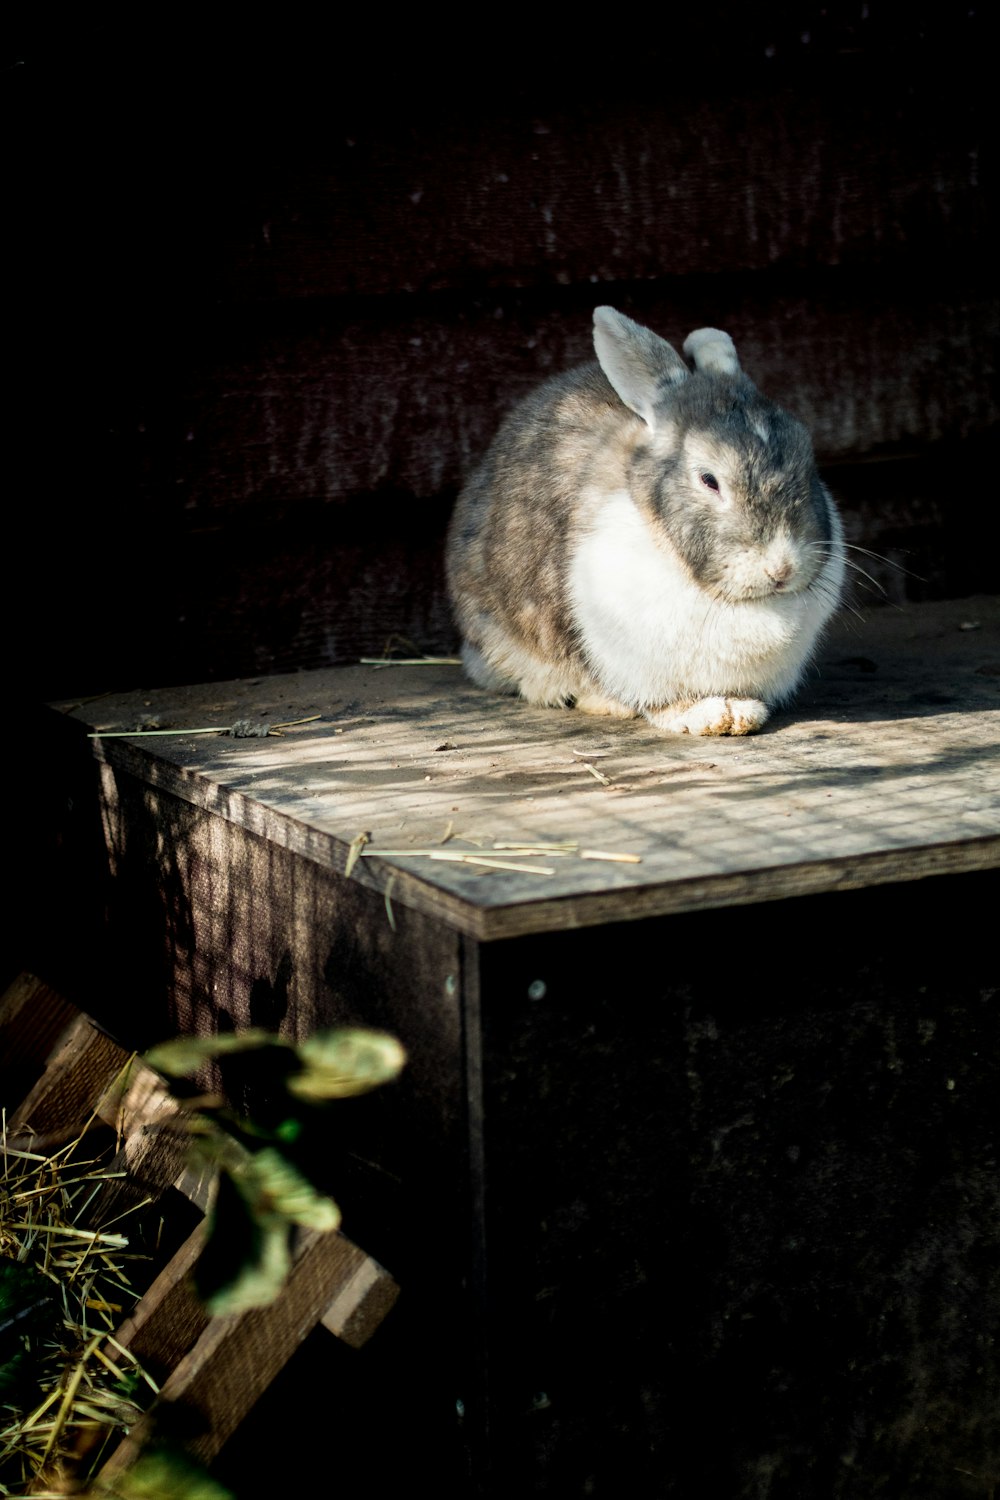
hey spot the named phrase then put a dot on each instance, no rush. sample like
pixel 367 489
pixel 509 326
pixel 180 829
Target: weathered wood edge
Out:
pixel 391 878
pixel 768 883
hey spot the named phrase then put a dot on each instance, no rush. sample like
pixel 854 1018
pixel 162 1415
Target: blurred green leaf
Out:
pixel 186 1054
pixel 163 1474
pixel 262 1195
pixel 272 1185
pixel 345 1062
pixel 247 1253
pixel 246 1256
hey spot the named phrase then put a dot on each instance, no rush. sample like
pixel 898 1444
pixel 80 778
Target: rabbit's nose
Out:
pixel 779 572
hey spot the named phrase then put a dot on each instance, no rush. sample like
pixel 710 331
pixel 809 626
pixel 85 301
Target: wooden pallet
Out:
pixel 219 1366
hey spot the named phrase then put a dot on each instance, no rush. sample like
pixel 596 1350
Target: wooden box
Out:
pixel 690 1180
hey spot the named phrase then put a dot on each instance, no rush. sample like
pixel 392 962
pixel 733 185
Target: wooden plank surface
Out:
pixel 33 1017
pixel 885 769
pixel 80 1068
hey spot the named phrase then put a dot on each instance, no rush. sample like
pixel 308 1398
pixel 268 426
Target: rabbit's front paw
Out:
pixel 712 716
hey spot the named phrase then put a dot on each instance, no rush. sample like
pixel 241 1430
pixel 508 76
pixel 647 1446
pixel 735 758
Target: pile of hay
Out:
pixel 67 1388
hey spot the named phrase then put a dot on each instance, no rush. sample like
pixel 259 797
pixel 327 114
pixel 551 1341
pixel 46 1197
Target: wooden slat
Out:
pixel 154 1154
pixel 360 1302
pixel 84 1063
pixel 138 1099
pixel 33 1016
pixel 169 1318
pixel 236 1358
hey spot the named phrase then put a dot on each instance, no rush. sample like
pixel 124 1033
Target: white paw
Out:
pixel 748 715
pixel 712 716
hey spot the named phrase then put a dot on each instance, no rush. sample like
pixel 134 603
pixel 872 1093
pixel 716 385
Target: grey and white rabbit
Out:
pixel 647 538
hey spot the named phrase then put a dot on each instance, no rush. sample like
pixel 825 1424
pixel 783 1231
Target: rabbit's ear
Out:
pixel 639 364
pixel 713 351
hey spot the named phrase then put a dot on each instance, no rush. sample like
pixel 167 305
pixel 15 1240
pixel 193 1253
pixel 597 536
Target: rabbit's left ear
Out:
pixel 713 351
pixel 639 364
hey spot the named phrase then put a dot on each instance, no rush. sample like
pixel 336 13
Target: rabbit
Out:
pixel 643 538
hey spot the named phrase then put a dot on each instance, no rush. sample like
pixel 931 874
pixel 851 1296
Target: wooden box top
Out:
pixel 885 769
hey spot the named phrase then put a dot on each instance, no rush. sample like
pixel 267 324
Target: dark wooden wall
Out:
pixel 272 291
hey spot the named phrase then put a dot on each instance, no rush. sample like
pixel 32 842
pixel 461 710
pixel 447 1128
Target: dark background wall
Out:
pixel 271 290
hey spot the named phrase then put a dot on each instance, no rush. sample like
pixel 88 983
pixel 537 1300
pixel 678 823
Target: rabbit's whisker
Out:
pixel 862 573
pixel 880 557
pixel 823 549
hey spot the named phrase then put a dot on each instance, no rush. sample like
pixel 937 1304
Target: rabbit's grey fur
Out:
pixel 643 537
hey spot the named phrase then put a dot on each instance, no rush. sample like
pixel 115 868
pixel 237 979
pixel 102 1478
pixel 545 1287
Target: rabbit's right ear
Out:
pixel 639 364
pixel 712 351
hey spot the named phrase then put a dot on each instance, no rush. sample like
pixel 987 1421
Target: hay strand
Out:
pixel 505 854
pixel 410 661
pixel 70 1400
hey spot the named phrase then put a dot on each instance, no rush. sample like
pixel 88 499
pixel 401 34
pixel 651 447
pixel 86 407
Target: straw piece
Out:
pixel 138 1367
pixel 291 723
pixel 121 734
pixel 506 864
pixel 506 847
pixel 410 661
pixel 435 853
pixel 619 859
pixel 597 775
pixel 524 848
pixel 354 849
pixel 456 856
pixel 71 1388
pixel 241 729
pixel 116 1241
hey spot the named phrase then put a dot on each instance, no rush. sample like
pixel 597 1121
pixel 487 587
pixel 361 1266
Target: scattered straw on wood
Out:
pixel 503 855
pixel 242 729
pixel 410 661
pixel 82 1391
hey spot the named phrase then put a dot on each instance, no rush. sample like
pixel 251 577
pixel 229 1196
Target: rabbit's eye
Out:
pixel 710 482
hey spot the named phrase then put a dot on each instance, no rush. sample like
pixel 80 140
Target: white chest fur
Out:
pixel 652 636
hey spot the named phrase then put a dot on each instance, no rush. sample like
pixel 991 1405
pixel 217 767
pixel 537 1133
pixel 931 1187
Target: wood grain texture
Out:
pixel 349 401
pixel 169 1318
pixel 33 1016
pixel 886 769
pixel 83 1064
pixel 360 1302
